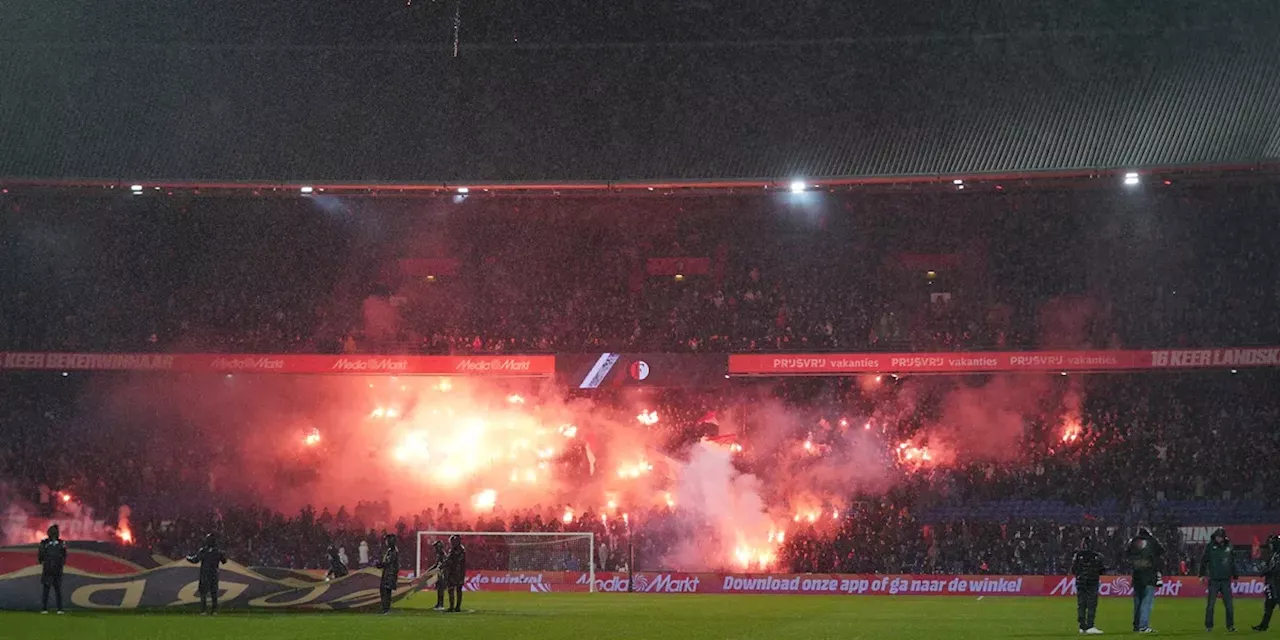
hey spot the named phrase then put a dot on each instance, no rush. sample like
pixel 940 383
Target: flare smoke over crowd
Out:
pixel 740 475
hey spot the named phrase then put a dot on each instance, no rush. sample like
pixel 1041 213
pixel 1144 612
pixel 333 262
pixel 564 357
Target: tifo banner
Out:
pixel 1000 361
pixel 830 584
pixel 599 370
pixel 506 365
pixel 173 584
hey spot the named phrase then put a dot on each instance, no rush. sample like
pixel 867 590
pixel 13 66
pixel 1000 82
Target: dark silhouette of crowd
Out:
pixel 923 270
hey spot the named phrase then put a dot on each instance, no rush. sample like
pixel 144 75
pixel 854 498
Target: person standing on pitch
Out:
pixel 209 557
pixel 438 567
pixel 1145 555
pixel 52 556
pixel 1271 573
pixel 455 572
pixel 1218 572
pixel 1087 567
pixel 337 568
pixel 390 565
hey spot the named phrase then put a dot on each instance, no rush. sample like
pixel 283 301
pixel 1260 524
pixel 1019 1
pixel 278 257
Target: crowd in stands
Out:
pixel 1044 268
pixel 1161 450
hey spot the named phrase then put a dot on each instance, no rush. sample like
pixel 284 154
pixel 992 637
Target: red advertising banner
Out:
pixel 999 361
pixel 739 364
pixel 834 584
pixel 510 366
pixel 1170 587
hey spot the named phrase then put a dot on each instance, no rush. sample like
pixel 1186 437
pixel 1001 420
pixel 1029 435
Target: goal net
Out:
pixel 573 552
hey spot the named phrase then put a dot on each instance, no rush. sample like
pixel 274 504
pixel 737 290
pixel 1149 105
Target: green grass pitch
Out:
pixel 515 616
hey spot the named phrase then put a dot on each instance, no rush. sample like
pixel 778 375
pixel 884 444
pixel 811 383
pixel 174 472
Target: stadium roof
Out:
pixel 856 110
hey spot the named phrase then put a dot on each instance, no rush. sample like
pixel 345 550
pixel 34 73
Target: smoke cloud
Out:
pixel 497 447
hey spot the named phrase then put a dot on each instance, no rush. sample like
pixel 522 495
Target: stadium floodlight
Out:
pixel 137 188
pixel 957 181
pixel 306 190
pixel 463 190
pixel 797 186
pixel 533 552
pixel 1131 179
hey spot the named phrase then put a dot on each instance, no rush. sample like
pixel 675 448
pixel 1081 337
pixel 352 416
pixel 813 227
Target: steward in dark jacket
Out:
pixel 1271 573
pixel 1218 571
pixel 455 572
pixel 441 584
pixel 390 565
pixel 209 557
pixel 336 568
pixel 52 556
pixel 1146 556
pixel 1087 567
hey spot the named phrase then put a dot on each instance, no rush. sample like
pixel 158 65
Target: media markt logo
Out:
pixel 371 364
pixel 666 583
pixel 248 364
pixel 494 365
pixel 1118 586
pixel 612 584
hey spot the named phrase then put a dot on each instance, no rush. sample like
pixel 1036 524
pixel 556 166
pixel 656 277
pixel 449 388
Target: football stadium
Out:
pixel 664 320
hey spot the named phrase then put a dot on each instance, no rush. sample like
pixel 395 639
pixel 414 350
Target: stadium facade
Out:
pixel 641 115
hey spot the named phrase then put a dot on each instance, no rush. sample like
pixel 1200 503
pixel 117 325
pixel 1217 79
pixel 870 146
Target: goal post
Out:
pixel 516 551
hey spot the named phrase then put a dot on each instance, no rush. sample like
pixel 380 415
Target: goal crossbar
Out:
pixel 535 535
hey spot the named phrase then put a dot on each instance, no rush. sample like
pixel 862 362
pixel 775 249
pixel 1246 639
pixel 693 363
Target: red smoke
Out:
pixel 499 446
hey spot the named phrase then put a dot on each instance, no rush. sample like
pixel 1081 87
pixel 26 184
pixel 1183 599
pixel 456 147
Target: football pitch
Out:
pixel 508 616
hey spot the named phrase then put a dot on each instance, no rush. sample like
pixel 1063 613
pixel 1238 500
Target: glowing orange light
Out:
pixel 671 502
pixel 1071 431
pixel 66 497
pixel 568 515
pixel 312 438
pixel 568 430
pixel 485 500
pixel 515 399
pixel 648 418
pixel 412 448
pixel 444 386
pixel 636 470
